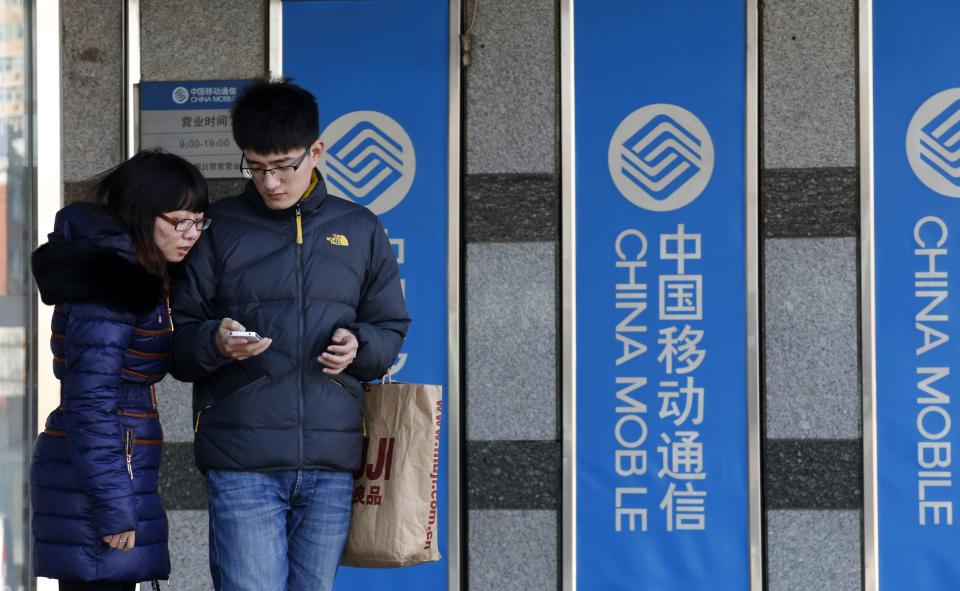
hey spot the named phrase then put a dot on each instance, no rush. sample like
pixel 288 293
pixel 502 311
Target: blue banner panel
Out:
pixel 916 97
pixel 661 390
pixel 379 70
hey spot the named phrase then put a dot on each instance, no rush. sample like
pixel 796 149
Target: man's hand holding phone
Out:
pixel 239 346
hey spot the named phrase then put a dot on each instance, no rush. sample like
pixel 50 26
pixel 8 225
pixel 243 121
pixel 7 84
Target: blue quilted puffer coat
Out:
pixel 279 410
pixel 95 465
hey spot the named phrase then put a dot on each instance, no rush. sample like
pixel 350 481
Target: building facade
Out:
pixel 511 395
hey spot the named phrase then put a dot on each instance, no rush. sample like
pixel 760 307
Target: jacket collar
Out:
pixel 309 204
pixel 92 225
pixel 89 258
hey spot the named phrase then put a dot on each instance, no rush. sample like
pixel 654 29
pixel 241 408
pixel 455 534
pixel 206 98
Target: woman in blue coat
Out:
pixel 97 518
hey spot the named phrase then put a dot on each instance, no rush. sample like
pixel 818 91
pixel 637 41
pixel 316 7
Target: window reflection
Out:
pixel 15 289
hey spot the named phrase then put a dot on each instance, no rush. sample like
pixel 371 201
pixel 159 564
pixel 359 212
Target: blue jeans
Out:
pixel 277 531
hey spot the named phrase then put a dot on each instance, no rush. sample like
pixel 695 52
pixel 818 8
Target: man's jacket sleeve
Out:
pixel 382 317
pixel 96 342
pixel 195 354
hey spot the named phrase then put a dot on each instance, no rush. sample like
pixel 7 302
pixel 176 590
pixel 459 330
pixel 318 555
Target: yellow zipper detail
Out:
pixel 299 226
pixel 363 425
pixel 196 424
pixel 314 179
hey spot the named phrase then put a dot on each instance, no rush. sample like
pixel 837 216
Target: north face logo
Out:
pixel 338 240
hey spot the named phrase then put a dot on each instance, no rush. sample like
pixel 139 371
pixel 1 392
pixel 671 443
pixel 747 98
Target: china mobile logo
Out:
pixel 180 95
pixel 369 159
pixel 661 157
pixel 933 143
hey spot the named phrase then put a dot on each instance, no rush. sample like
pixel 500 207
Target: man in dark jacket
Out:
pixel 278 422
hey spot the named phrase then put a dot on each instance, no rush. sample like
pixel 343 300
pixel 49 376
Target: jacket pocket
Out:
pixel 129 444
pixel 349 383
pixel 231 395
pixel 138 414
pixel 341 385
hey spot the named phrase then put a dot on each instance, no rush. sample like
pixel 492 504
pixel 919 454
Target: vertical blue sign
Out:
pixel 661 388
pixel 916 130
pixel 379 70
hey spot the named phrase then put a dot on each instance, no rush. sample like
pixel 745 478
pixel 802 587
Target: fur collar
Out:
pixel 72 272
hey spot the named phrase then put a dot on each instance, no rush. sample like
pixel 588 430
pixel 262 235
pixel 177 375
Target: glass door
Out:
pixel 17 329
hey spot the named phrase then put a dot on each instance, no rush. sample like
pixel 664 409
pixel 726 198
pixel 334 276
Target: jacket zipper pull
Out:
pixel 196 424
pixel 363 425
pixel 299 226
pixel 128 451
pixel 169 313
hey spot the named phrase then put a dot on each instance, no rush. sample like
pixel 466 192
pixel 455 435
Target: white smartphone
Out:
pixel 251 337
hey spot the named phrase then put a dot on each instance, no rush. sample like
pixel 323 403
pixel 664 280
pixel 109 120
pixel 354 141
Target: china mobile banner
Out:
pixel 379 70
pixel 662 490
pixel 916 241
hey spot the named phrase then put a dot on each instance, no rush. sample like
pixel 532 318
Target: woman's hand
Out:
pixel 124 541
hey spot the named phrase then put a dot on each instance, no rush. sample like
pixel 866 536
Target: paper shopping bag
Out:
pixel 394 521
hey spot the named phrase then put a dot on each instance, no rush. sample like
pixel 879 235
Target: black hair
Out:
pixel 273 116
pixel 150 183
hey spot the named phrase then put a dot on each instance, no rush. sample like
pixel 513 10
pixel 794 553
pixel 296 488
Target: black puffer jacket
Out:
pixel 279 411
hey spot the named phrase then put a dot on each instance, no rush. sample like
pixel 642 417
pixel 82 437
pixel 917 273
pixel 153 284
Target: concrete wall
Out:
pixel 812 456
pixel 92 89
pixel 812 471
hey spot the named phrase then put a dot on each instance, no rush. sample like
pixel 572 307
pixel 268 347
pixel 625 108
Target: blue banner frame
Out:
pixel 384 106
pixel 915 95
pixel 664 454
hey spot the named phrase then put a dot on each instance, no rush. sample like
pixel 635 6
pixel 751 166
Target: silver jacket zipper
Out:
pixel 128 451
